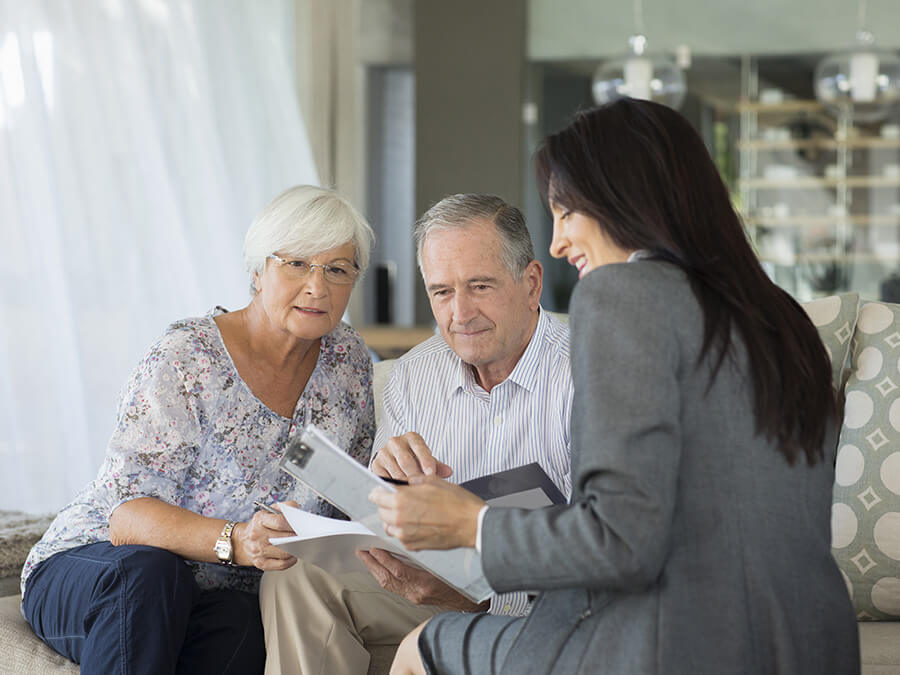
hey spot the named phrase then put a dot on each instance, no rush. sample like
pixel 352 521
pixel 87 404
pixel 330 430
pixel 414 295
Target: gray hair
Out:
pixel 304 221
pixel 461 210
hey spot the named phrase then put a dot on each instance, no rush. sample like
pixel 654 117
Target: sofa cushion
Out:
pixel 835 318
pixel 878 643
pixel 18 533
pixel 380 372
pixel 23 652
pixel 866 508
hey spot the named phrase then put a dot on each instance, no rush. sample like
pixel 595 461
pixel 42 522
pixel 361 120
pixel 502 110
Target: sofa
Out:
pixel 863 341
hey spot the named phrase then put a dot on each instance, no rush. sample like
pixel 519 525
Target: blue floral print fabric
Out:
pixel 191 433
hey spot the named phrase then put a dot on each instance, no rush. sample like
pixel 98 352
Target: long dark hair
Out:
pixel 644 174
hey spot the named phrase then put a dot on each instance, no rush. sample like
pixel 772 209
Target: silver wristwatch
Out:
pixel 223 548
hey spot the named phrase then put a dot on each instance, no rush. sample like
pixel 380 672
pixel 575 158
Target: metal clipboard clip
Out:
pixel 298 453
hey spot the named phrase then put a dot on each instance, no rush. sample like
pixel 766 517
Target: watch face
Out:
pixel 223 550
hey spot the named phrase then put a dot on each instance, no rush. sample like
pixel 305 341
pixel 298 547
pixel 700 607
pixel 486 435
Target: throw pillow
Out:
pixel 865 517
pixel 835 319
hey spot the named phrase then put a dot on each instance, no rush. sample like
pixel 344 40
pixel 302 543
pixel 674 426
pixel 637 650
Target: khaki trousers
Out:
pixel 318 624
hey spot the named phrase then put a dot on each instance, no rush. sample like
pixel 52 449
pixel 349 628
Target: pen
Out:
pixel 395 481
pixel 266 507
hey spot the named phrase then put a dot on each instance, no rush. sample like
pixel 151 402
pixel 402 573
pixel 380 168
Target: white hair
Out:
pixel 302 222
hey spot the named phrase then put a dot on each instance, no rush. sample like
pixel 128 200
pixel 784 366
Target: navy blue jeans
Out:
pixel 123 610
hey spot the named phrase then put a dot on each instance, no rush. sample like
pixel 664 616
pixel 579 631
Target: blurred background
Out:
pixel 138 138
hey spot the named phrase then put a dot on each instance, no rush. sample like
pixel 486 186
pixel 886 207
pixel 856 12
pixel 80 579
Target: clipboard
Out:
pixel 527 487
pixel 317 461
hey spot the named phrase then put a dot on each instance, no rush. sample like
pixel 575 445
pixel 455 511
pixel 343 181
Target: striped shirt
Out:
pixel 523 419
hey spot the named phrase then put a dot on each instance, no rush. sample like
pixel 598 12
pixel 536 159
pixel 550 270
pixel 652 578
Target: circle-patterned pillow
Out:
pixel 865 516
pixel 835 318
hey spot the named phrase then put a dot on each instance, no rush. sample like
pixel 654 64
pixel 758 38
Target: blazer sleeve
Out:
pixel 626 448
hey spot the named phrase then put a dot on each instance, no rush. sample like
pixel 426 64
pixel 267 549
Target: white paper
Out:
pixel 337 477
pixel 329 543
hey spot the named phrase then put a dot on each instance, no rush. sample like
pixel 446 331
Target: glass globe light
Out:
pixel 864 81
pixel 653 77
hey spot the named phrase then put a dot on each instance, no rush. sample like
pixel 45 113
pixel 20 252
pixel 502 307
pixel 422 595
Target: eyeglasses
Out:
pixel 334 273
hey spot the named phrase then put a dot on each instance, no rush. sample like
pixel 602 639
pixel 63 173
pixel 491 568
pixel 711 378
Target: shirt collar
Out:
pixel 640 254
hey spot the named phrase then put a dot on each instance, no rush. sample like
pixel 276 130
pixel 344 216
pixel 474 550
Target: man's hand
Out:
pixel 251 541
pixel 417 586
pixel 408 455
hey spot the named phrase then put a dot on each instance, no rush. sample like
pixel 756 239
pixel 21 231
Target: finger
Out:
pixel 382 576
pixel 424 458
pixel 280 527
pixel 275 553
pixel 386 465
pixel 382 498
pixel 391 563
pixel 273 525
pixel 444 470
pixel 275 564
pixel 404 456
pixel 376 568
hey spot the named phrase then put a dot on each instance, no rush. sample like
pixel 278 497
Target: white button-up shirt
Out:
pixel 523 419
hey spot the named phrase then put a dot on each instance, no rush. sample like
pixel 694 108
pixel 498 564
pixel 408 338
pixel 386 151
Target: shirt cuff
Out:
pixel 478 531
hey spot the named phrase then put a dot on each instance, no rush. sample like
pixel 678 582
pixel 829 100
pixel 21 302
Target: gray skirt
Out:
pixel 467 644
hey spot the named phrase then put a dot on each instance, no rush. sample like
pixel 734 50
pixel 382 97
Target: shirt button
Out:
pixel 507 607
pixel 498 421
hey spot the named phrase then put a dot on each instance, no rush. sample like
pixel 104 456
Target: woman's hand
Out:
pixel 429 513
pixel 251 541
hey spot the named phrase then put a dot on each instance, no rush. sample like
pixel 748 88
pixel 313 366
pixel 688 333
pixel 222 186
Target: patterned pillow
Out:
pixel 865 516
pixel 835 319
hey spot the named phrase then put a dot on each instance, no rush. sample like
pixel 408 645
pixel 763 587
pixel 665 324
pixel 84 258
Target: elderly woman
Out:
pixel 154 566
pixel 704 432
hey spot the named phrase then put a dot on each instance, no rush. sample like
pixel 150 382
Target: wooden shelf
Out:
pixel 867 142
pixel 791 106
pixel 391 341
pixel 807 182
pixel 822 221
pixel 843 258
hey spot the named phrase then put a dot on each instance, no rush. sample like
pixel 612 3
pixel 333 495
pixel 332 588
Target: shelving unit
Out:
pixel 820 195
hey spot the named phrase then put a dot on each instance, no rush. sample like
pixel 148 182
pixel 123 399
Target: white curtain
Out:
pixel 138 138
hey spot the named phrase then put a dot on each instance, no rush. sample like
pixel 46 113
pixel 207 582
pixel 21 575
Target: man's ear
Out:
pixel 533 275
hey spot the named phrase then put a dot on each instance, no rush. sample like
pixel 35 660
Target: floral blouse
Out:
pixel 191 433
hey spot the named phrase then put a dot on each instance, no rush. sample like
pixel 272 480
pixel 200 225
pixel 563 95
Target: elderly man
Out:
pixel 493 391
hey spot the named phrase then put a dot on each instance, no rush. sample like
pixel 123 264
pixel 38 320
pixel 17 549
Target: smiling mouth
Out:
pixel 579 264
pixel 310 310
pixel 470 333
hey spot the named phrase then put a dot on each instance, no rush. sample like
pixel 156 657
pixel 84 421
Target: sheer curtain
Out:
pixel 138 138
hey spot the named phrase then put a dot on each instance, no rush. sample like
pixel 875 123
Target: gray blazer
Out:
pixel 690 545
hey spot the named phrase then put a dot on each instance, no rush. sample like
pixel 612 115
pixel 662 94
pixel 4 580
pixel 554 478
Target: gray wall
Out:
pixel 579 29
pixel 469 60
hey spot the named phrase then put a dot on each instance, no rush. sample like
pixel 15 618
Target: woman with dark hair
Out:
pixel 704 434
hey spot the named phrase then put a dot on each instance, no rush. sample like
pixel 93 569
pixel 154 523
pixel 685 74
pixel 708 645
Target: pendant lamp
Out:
pixel 863 81
pixel 654 77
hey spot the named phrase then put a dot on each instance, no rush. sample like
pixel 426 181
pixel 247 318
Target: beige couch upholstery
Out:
pixel 21 653
pixel 836 318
